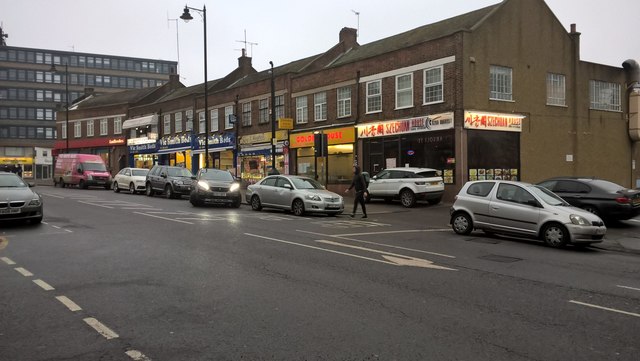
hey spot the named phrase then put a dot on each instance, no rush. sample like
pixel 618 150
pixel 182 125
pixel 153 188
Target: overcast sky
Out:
pixel 283 30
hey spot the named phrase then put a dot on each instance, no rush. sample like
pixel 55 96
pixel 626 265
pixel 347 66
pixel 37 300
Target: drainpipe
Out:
pixel 632 72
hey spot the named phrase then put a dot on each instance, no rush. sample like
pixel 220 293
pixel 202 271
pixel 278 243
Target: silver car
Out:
pixel 523 209
pixel 297 194
pixel 17 200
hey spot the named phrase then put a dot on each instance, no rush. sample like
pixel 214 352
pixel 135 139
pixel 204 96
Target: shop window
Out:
pixel 500 83
pixel 374 96
pixel 556 89
pixel 404 91
pixel 604 95
pixel 493 155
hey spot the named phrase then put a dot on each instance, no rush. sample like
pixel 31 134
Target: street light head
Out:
pixel 186 15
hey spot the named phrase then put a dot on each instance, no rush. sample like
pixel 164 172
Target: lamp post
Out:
pixel 66 98
pixel 273 121
pixel 186 16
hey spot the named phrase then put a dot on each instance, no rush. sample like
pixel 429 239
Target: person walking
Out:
pixel 360 186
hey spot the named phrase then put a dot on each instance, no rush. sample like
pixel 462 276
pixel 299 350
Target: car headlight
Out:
pixel 234 187
pixel 579 220
pixel 313 197
pixel 35 202
pixel 204 185
pixel 89 177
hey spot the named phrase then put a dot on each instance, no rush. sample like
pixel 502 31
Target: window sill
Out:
pixel 557 105
pixel 374 112
pixel 404 107
pixel 502 100
pixel 433 103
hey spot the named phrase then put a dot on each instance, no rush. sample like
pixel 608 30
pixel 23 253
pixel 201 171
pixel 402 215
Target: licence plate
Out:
pixel 434 183
pixel 219 194
pixel 600 231
pixel 9 210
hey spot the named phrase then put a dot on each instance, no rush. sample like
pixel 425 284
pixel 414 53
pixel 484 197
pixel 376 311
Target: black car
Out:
pixel 172 181
pixel 215 186
pixel 598 196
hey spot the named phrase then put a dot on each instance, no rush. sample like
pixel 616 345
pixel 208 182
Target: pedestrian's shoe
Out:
pixel 352 215
pixel 365 216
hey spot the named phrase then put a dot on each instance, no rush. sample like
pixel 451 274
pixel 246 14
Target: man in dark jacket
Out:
pixel 361 190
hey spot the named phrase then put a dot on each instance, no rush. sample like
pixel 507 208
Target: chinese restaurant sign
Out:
pixel 411 125
pixel 493 121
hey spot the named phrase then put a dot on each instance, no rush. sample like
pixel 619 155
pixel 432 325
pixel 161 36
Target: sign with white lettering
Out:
pixel 403 126
pixel 493 121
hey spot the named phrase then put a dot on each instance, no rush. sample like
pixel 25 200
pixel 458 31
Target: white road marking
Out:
pixel 165 218
pixel 629 288
pixel 72 306
pixel 605 308
pixel 7 260
pixel 137 355
pixel 379 244
pixel 392 232
pixel 44 285
pixel 142 209
pixel 52 195
pixel 56 227
pixel 634 220
pixel 23 272
pixel 93 204
pixel 102 329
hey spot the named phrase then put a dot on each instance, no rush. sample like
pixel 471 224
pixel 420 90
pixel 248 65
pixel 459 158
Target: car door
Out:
pixel 513 209
pixel 267 191
pixel 575 193
pixel 125 179
pixel 378 184
pixel 397 180
pixel 284 193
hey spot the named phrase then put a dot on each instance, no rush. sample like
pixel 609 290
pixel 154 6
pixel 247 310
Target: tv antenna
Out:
pixel 247 42
pixel 177 40
pixel 357 13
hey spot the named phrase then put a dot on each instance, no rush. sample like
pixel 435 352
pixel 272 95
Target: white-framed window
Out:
pixel 104 127
pixel 77 129
pixel 320 106
pixel 214 121
pixel 404 91
pixel 302 110
pixel 201 123
pixel 63 131
pixel 500 83
pixel 189 123
pixel 228 112
pixel 433 85
pixel 263 111
pixel 117 125
pixel 344 102
pixel 90 125
pixel 166 124
pixel 374 96
pixel 246 114
pixel 556 93
pixel 177 121
pixel 279 107
pixel 604 95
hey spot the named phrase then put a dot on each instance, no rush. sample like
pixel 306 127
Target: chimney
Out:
pixel 244 62
pixel 89 91
pixel 349 37
pixel 575 36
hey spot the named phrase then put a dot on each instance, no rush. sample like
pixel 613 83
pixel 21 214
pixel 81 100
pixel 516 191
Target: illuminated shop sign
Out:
pixel 116 141
pixel 403 126
pixel 493 121
pixel 344 135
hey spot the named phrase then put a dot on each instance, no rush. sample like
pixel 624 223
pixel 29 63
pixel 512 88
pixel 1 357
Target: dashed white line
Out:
pixel 7 261
pixel 44 285
pixel 52 195
pixel 629 288
pixel 24 272
pixel 72 306
pixel 137 355
pixel 100 328
pixel 605 308
pixel 97 205
pixel 165 218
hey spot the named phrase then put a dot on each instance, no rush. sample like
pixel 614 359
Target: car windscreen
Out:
pixel 178 172
pixel 306 183
pixel 12 181
pixel 140 172
pixel 94 166
pixel 217 176
pixel 547 196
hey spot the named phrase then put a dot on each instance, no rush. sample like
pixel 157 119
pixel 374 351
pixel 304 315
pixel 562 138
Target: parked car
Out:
pixel 215 186
pixel 523 209
pixel 598 196
pixel 297 194
pixel 131 179
pixel 172 181
pixel 408 184
pixel 82 170
pixel 17 200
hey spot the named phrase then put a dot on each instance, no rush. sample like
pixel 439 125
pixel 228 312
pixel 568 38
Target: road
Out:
pixel 126 277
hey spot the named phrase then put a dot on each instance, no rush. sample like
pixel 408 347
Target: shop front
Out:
pixel 141 152
pixel 333 169
pixel 254 158
pixel 427 141
pixel 493 145
pixel 220 151
pixel 110 149
pixel 176 150
pixel 12 164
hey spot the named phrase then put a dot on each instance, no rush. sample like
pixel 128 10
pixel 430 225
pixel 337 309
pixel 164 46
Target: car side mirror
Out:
pixel 163 175
pixel 374 177
pixel 532 203
pixel 79 170
pixel 288 186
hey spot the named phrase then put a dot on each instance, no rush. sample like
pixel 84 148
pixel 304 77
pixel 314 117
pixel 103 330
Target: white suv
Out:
pixel 408 184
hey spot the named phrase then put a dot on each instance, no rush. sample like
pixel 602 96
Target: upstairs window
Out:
pixel 166 125
pixel 604 96
pixel 214 121
pixel 104 127
pixel 302 110
pixel 201 123
pixel 117 125
pixel 374 96
pixel 404 91
pixel 90 125
pixel 500 83
pixel 189 121
pixel 228 112
pixel 556 92
pixel 263 111
pixel 279 106
pixel 320 106
pixel 433 86
pixel 246 114
pixel 344 102
pixel 177 120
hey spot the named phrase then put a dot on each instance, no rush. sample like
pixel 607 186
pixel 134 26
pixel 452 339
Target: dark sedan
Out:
pixel 606 199
pixel 215 186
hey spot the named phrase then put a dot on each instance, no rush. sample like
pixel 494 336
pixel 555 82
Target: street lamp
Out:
pixel 186 16
pixel 273 121
pixel 66 96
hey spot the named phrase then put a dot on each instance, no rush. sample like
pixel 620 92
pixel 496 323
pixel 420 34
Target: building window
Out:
pixel 246 114
pixel 280 106
pixel 264 111
pixel 344 102
pixel 404 91
pixel 166 124
pixel 104 127
pixel 320 106
pixel 500 83
pixel 214 120
pixel 228 112
pixel 374 96
pixel 556 89
pixel 604 96
pixel 433 86
pixel 90 128
pixel 77 129
pixel 64 131
pixel 302 110
pixel 117 125
pixel 177 118
pixel 201 123
pixel 189 123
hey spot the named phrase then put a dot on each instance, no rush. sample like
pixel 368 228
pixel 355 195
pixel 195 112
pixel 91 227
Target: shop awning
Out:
pixel 212 150
pixel 140 122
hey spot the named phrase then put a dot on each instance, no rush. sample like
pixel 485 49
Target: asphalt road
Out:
pixel 127 277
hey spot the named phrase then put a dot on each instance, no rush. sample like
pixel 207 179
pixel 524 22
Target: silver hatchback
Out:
pixel 523 209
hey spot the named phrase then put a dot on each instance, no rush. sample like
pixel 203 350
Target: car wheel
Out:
pixel 592 209
pixel 462 224
pixel 434 201
pixel 256 205
pixel 82 185
pixel 194 201
pixel 36 220
pixel 236 204
pixel 132 188
pixel 115 187
pixel 298 207
pixel 61 183
pixel 407 198
pixel 148 190
pixel 168 191
pixel 555 235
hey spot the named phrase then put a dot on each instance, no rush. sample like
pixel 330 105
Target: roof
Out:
pixel 122 97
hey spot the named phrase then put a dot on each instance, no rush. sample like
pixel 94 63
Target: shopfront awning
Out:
pixel 140 122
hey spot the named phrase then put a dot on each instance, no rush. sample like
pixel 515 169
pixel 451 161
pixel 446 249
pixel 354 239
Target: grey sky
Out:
pixel 285 30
